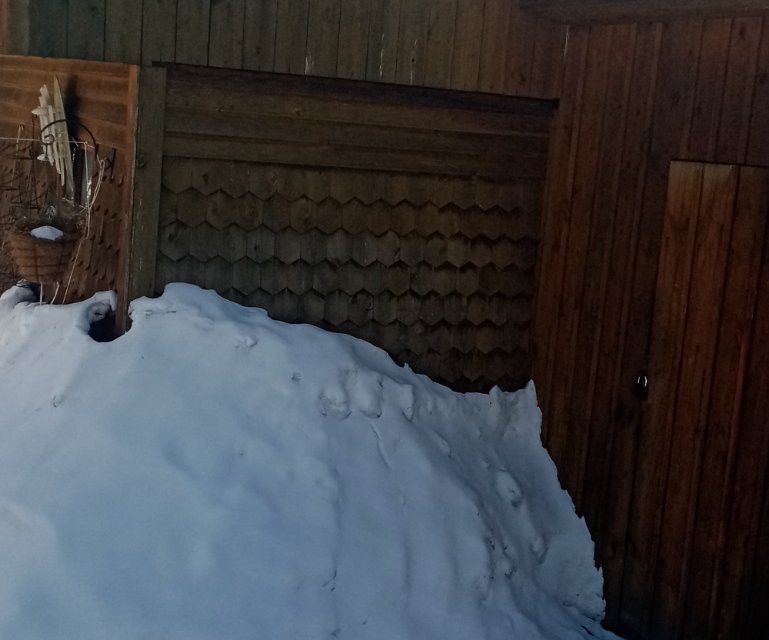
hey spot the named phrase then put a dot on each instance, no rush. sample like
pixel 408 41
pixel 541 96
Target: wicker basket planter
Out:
pixel 42 261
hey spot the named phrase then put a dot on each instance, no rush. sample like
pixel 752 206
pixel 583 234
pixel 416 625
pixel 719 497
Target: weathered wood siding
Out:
pixel 406 218
pixel 102 97
pixel 459 44
pixel 635 97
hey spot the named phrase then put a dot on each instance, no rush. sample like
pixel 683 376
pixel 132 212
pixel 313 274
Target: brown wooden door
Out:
pixel 695 560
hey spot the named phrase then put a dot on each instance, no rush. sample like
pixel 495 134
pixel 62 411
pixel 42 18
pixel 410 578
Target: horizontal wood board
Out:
pixel 597 11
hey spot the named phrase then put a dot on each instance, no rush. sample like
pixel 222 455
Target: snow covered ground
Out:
pixel 217 475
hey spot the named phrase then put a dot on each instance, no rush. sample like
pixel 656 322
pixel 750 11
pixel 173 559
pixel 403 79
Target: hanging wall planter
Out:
pixel 55 183
pixel 41 260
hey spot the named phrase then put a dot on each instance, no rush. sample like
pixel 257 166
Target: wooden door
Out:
pixel 695 564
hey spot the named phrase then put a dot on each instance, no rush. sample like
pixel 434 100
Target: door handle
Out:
pixel 641 386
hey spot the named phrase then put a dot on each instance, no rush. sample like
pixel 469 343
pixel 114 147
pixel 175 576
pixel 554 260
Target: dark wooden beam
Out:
pixel 148 164
pixel 590 11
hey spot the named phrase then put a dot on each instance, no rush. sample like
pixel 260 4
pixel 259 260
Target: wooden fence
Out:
pixel 408 218
pixel 637 96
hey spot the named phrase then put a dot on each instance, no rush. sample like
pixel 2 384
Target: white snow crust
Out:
pixel 217 475
pixel 47 233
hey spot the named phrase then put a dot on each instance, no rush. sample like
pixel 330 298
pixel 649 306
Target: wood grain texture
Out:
pixel 192 31
pixel 158 31
pixel 466 57
pixel 462 44
pixel 687 99
pixel 259 29
pixel 597 11
pixel 348 205
pixel 615 407
pixel 353 39
pixel 384 22
pixel 740 575
pixel 698 340
pixel 146 182
pixel 673 283
pixel 85 29
pixel 48 34
pixel 710 549
pixel 291 36
pixel 571 286
pixel 441 30
pixel 123 31
pixel 226 33
pixel 738 90
pixel 412 43
pixel 323 29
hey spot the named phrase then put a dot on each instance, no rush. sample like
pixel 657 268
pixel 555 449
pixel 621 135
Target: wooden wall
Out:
pixel 635 96
pixel 459 44
pixel 102 97
pixel 408 219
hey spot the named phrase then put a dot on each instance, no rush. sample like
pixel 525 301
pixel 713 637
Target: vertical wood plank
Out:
pixel 225 40
pixel 291 36
pixel 123 35
pixel 547 62
pixel 758 138
pixel 468 34
pixel 556 216
pixel 674 277
pixel 260 26
pixel 614 403
pixel 147 182
pixel 709 546
pixel 192 27
pixel 752 445
pixel 756 615
pixel 691 404
pixel 590 436
pixel 17 27
pixel 159 31
pixel 440 43
pixel 571 304
pixel 672 111
pixel 738 93
pixel 383 40
pixel 711 75
pixel 412 43
pixel 494 44
pixel 353 39
pixel 48 32
pixel 86 30
pixel 521 42
pixel 323 37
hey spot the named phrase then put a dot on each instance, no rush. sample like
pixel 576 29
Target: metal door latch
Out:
pixel 641 386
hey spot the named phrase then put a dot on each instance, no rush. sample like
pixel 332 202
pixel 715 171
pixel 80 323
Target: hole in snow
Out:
pixel 103 328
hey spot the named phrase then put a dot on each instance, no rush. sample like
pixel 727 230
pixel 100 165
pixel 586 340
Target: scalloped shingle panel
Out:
pixel 446 288
pixel 409 221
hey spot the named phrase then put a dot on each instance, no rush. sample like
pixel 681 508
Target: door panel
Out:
pixel 692 535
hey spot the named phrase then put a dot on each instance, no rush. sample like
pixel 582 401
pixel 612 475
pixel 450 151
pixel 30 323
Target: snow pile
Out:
pixel 214 474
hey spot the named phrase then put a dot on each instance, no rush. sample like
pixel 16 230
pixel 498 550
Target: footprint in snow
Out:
pixel 334 400
pixel 508 488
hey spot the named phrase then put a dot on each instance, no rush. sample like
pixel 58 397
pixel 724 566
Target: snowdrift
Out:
pixel 214 474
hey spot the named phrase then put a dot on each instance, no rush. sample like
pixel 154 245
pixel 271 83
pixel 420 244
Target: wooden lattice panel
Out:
pixel 438 271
